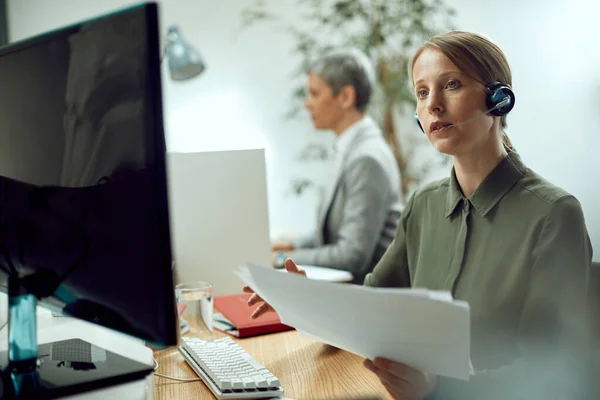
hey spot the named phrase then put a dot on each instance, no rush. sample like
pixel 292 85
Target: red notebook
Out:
pixel 233 317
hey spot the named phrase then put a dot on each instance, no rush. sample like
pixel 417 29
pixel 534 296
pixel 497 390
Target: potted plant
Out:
pixel 388 31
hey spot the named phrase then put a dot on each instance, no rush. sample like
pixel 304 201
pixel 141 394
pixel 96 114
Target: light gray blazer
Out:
pixel 359 214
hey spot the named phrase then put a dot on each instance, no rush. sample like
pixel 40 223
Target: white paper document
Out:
pixel 426 330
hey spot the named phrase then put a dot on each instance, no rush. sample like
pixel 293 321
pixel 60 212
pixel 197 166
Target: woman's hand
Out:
pixel 278 250
pixel 402 381
pixel 282 246
pixel 291 267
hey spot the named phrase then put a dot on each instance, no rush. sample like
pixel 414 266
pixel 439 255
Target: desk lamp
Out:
pixel 185 62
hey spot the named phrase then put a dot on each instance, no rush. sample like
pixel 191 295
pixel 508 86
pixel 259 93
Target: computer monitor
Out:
pixel 84 225
pixel 215 199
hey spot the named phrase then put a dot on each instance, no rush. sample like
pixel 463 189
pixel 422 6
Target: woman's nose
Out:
pixel 435 102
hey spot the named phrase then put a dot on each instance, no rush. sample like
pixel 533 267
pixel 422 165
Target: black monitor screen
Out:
pixel 83 198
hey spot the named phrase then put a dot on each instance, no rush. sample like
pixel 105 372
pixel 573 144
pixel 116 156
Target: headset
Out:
pixel 499 99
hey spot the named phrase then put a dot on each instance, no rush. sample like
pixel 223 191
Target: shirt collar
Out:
pixel 492 189
pixel 343 142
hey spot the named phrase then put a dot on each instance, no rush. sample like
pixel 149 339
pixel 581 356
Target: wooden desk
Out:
pixel 306 369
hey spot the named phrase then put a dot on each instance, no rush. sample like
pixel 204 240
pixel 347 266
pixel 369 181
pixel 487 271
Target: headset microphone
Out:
pixel 504 102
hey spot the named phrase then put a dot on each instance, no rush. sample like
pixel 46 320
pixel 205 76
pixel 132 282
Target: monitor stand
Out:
pixel 56 369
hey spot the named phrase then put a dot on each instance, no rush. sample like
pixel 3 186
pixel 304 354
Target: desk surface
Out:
pixel 306 369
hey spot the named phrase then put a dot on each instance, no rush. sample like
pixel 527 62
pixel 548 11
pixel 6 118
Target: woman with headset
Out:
pixel 494 233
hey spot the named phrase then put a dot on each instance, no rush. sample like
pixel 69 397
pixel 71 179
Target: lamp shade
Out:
pixel 184 61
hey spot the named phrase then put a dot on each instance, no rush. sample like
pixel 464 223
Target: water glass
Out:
pixel 197 318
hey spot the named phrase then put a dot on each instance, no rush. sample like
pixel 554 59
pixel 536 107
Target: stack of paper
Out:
pixel 427 330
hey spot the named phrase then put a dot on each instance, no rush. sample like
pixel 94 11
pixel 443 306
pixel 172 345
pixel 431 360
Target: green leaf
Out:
pixel 292 112
pixel 299 186
pixel 252 16
pixel 313 152
pixel 299 93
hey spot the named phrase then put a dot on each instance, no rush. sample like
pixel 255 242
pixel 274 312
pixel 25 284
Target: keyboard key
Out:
pixel 237 383
pixel 226 384
pixel 248 383
pixel 260 381
pixel 273 382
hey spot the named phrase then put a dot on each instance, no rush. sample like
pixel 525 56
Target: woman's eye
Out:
pixel 421 93
pixel 452 85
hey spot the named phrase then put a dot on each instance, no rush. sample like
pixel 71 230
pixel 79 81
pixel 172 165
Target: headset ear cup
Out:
pixel 419 122
pixel 496 92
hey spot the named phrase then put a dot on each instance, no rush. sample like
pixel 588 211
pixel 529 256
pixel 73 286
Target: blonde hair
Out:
pixel 474 55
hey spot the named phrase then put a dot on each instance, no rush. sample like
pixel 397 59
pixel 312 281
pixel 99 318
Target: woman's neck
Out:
pixel 347 120
pixel 472 169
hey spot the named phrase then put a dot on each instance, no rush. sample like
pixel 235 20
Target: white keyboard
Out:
pixel 228 370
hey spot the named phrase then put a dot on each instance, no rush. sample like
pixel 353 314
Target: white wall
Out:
pixel 551 46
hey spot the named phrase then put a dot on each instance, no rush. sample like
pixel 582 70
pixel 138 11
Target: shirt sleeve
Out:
pixel 367 190
pixel 554 338
pixel 305 241
pixel 392 269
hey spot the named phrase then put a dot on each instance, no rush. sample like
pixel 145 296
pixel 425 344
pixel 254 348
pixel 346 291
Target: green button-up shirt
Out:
pixel 519 253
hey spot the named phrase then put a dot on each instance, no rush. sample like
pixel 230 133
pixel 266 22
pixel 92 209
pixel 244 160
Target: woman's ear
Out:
pixel 347 97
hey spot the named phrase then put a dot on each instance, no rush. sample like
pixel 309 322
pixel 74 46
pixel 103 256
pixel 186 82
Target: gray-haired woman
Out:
pixel 361 205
